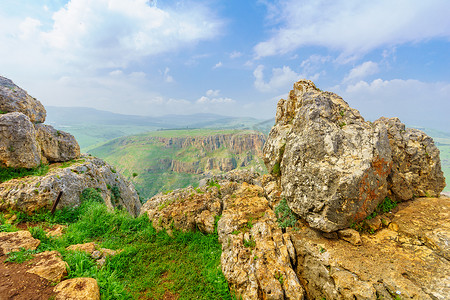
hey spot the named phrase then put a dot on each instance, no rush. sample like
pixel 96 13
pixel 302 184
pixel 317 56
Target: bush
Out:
pixel 285 216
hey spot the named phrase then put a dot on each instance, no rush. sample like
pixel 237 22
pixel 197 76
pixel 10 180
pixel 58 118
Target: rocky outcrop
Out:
pixel 416 170
pixel 406 257
pixel 24 143
pixel 18 144
pixel 335 168
pixel 56 145
pixel 333 164
pixel 256 255
pixel 15 99
pixel 32 193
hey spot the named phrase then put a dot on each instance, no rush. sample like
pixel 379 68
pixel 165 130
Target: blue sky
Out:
pixel 232 57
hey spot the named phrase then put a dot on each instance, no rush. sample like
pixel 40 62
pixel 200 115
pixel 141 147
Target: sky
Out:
pixel 231 57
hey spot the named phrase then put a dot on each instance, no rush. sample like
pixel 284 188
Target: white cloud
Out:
pixel 212 97
pixel 235 54
pixel 414 102
pixel 281 78
pixel 218 65
pixel 29 27
pixel 168 78
pixel 361 71
pixel 212 93
pixel 353 27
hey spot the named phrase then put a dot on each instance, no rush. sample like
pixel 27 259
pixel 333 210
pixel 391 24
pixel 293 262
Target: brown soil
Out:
pixel 17 284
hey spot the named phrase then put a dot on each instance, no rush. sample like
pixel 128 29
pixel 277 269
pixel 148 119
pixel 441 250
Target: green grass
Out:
pixel 187 264
pixel 285 216
pixel 11 173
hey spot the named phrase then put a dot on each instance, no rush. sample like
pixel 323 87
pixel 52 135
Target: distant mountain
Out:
pixel 92 127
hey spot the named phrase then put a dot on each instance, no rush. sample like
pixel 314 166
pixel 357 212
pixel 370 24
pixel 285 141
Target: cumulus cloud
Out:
pixel 218 65
pixel 362 71
pixel 235 54
pixel 281 78
pixel 353 27
pixel 212 97
pixel 415 102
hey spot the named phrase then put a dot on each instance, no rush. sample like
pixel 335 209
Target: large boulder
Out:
pixel 56 145
pixel 31 193
pixel 416 170
pixel 333 165
pixel 15 99
pixel 18 145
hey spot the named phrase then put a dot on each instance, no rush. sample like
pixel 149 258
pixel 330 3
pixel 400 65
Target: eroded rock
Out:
pixel 31 193
pixel 77 288
pixel 14 241
pixel 56 145
pixel 18 145
pixel 332 164
pixel 49 265
pixel 416 170
pixel 15 99
pixel 410 263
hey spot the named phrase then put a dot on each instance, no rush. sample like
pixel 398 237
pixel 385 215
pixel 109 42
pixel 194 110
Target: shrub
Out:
pixel 285 216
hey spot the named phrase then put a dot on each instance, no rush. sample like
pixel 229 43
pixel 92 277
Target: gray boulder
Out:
pixel 332 165
pixel 18 145
pixel 416 170
pixel 56 145
pixel 29 194
pixel 15 99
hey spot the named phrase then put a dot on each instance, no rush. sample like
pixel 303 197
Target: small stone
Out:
pixel 57 231
pixel 393 226
pixel 350 235
pixel 89 248
pixel 96 254
pixel 374 223
pixel 77 288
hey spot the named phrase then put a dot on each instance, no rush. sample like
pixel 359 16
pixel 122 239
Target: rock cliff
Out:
pixel 27 143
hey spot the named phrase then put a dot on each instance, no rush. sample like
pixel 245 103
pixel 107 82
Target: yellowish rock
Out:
pixel 49 265
pixel 14 241
pixel 77 289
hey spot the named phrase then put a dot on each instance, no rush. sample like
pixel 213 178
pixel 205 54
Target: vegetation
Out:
pixel 11 173
pixel 385 206
pixel 150 263
pixel 285 216
pixel 151 158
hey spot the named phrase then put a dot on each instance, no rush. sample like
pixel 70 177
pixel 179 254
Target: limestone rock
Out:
pixel 31 193
pixel 185 209
pixel 57 230
pixel 56 145
pixel 15 99
pixel 49 265
pixel 14 241
pixel 350 235
pixel 416 170
pixel 81 288
pixel 18 145
pixel 332 164
pixel 86 247
pixel 411 262
pixel 256 256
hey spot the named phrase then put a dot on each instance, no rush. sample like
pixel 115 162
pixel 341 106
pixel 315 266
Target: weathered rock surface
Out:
pixel 82 288
pixel 411 263
pixel 15 99
pixel 31 193
pixel 333 164
pixel 18 145
pixel 416 170
pixel 256 257
pixel 49 265
pixel 14 241
pixel 56 145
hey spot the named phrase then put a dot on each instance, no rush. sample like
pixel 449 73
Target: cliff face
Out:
pixel 170 159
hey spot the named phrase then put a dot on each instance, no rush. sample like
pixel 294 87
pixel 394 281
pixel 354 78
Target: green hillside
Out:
pixel 170 159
